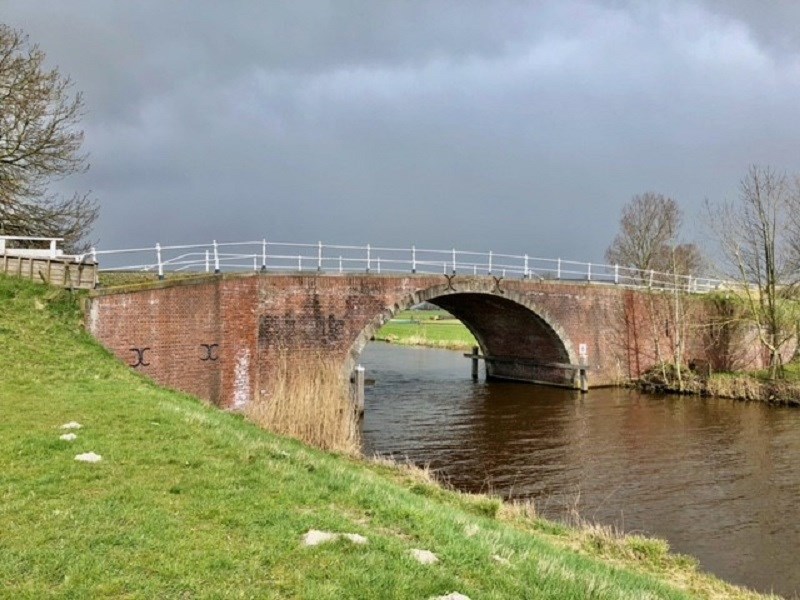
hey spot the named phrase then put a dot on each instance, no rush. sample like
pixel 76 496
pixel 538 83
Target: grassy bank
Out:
pixel 191 502
pixel 433 328
pixel 750 386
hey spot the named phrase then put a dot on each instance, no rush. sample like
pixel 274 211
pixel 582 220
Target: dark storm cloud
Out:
pixel 518 126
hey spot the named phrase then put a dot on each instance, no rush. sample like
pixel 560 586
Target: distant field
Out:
pixel 435 328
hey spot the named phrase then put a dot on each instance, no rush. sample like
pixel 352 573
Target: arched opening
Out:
pixel 517 340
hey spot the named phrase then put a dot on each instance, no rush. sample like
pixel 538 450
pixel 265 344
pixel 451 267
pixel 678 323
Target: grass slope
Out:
pixel 191 502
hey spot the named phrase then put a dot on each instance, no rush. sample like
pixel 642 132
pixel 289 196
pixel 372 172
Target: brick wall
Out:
pixel 222 337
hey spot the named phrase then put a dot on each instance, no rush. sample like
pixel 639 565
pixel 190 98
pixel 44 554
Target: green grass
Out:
pixel 435 328
pixel 192 502
pixel 790 374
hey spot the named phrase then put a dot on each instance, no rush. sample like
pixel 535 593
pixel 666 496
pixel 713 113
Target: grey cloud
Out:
pixel 517 126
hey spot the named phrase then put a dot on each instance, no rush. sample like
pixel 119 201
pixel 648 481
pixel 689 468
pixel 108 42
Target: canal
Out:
pixel 718 479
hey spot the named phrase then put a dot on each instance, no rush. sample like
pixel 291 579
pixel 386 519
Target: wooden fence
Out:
pixel 59 271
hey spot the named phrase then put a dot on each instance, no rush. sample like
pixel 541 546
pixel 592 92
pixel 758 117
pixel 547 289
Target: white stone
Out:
pixel 315 537
pixel 452 596
pixel 68 437
pixel 89 457
pixel 424 557
pixel 500 559
pixel 71 425
pixel 355 538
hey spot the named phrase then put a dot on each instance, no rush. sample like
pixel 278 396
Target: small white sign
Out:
pixel 583 350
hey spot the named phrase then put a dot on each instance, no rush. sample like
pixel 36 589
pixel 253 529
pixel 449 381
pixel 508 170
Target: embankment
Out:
pixel 190 501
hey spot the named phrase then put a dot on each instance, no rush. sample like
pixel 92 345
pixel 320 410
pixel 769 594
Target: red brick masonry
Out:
pixel 218 337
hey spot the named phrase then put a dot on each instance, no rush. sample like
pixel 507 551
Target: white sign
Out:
pixel 583 350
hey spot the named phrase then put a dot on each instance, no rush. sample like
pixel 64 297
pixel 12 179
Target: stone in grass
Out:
pixel 68 437
pixel 452 596
pixel 315 537
pixel 71 425
pixel 89 457
pixel 424 557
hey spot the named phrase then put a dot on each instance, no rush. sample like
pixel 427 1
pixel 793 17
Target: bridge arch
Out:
pixel 518 335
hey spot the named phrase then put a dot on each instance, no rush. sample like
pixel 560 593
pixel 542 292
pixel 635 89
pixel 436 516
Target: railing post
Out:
pixel 52 248
pixel 616 273
pixel 558 269
pixel 340 263
pixel 255 262
pixel 208 262
pixel 454 261
pixel 490 262
pixel 216 258
pixel 413 259
pixel 379 264
pixel 93 252
pixel 588 271
pixel 650 284
pixel 264 254
pixel 160 264
pixel 444 268
pixel 319 257
pixel 300 262
pixel 369 258
pixel 527 275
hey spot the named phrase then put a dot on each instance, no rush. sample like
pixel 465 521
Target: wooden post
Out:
pixel 584 380
pixel 475 351
pixel 359 390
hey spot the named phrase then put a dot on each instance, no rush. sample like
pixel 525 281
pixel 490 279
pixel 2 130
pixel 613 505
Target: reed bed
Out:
pixel 310 400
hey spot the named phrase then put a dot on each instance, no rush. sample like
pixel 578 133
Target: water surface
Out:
pixel 718 479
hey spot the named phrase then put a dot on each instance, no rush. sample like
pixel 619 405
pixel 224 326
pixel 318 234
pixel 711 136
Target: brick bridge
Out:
pixel 220 337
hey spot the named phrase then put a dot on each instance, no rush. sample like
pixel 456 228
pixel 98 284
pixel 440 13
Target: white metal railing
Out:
pixel 264 255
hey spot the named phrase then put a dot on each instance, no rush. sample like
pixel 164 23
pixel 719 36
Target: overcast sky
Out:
pixel 512 126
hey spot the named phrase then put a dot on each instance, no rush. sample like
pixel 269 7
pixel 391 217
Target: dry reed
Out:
pixel 739 387
pixel 309 399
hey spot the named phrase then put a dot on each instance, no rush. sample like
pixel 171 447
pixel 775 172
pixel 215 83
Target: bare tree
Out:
pixel 648 227
pixel 680 259
pixel 759 238
pixel 648 241
pixel 40 142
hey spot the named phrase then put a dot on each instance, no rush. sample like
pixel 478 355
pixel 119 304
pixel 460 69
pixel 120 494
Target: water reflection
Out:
pixel 718 479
